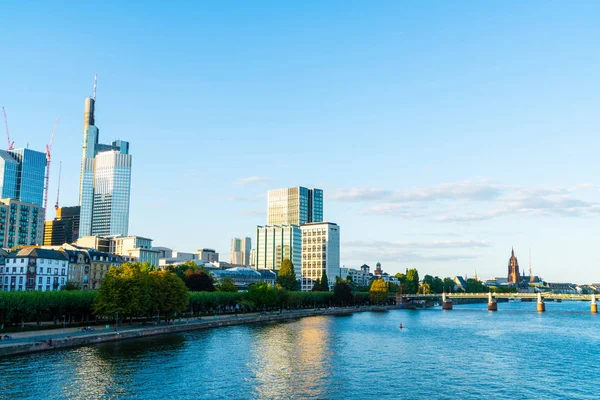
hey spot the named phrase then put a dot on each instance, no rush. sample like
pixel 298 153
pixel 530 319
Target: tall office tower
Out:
pixel 64 228
pixel 240 251
pixel 105 180
pixel 22 173
pixel 276 243
pixel 294 206
pixel 320 252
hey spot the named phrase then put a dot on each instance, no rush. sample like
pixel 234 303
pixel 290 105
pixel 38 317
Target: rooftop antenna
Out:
pixel 58 191
pixel 95 78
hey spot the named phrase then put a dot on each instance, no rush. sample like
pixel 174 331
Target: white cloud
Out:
pixel 253 180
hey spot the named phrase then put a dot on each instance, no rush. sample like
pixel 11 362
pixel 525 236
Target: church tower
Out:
pixel 513 269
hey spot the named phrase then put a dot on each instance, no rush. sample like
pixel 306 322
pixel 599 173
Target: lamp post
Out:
pixel 64 322
pixel 117 323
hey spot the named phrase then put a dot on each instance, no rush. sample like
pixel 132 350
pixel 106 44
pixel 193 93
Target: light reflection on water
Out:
pixel 464 353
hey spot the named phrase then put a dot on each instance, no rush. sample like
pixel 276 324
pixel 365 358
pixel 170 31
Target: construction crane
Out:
pixel 10 144
pixel 58 191
pixel 48 149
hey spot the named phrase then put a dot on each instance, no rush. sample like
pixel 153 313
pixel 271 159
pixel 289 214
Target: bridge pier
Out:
pixel 594 306
pixel 492 303
pixel 541 307
pixel 446 302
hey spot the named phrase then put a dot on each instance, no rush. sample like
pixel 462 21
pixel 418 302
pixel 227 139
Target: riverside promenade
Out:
pixel 35 341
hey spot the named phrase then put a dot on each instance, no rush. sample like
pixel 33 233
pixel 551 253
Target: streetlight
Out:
pixel 117 324
pixel 64 322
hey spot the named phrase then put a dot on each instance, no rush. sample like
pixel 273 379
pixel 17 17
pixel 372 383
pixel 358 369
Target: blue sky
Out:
pixel 443 133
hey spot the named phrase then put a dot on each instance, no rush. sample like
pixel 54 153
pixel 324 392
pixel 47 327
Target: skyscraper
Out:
pixel 320 253
pixel 294 206
pixel 105 180
pixel 22 173
pixel 240 251
pixel 64 228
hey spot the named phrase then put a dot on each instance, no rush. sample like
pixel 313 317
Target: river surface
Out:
pixel 466 353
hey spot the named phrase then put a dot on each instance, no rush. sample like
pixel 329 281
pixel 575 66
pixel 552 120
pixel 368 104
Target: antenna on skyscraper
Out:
pixel 95 79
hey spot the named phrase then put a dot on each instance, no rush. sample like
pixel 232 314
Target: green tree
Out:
pixel 424 288
pixel 198 280
pixel 378 293
pixel 286 277
pixel 124 290
pixel 449 285
pixel 226 285
pixel 342 293
pixel 167 293
pixel 412 281
pixel 324 282
pixel 262 295
pixel 474 286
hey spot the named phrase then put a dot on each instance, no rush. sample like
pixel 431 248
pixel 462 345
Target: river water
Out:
pixel 466 353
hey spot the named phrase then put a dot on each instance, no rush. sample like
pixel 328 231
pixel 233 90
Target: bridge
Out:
pixel 446 298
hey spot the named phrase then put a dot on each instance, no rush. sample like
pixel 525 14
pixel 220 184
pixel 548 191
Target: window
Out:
pixel 42 261
pixel 47 281
pixel 22 270
pixel 56 262
pixel 49 270
pixel 63 271
pixel 40 280
pixel 62 281
pixel 55 271
pixel 22 260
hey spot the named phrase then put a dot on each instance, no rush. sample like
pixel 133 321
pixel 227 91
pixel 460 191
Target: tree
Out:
pixel 71 286
pixel 474 286
pixel 449 285
pixel 412 281
pixel 124 290
pixel 226 285
pixel 324 282
pixel 342 293
pixel 286 276
pixel 424 288
pixel 317 286
pixel 167 293
pixel 198 281
pixel 378 293
pixel 262 294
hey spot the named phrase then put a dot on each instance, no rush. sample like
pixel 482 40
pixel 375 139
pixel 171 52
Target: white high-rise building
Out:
pixel 320 252
pixel 276 243
pixel 240 251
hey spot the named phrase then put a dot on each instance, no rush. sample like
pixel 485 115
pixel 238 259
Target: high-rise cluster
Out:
pixel 295 230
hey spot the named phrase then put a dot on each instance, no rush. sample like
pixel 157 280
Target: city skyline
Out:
pixel 440 141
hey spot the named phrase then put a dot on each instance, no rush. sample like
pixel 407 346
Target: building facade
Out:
pixel 64 228
pixel 276 243
pixel 135 249
pixel 240 251
pixel 105 181
pixel 21 223
pixel 22 173
pixel 320 253
pixel 294 206
pixel 244 276
pixel 33 268
pixel 208 255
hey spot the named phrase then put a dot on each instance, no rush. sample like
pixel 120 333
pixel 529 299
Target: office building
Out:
pixel 240 251
pixel 134 249
pixel 320 253
pixel 276 243
pixel 294 206
pixel 22 173
pixel 105 181
pixel 208 255
pixel 21 223
pixel 64 228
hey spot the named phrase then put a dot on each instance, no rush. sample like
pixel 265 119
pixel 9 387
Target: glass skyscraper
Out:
pixel 22 173
pixel 294 206
pixel 105 181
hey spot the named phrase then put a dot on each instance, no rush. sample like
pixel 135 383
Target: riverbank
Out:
pixel 61 340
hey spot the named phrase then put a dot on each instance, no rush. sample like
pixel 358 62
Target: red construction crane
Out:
pixel 58 191
pixel 48 149
pixel 10 144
